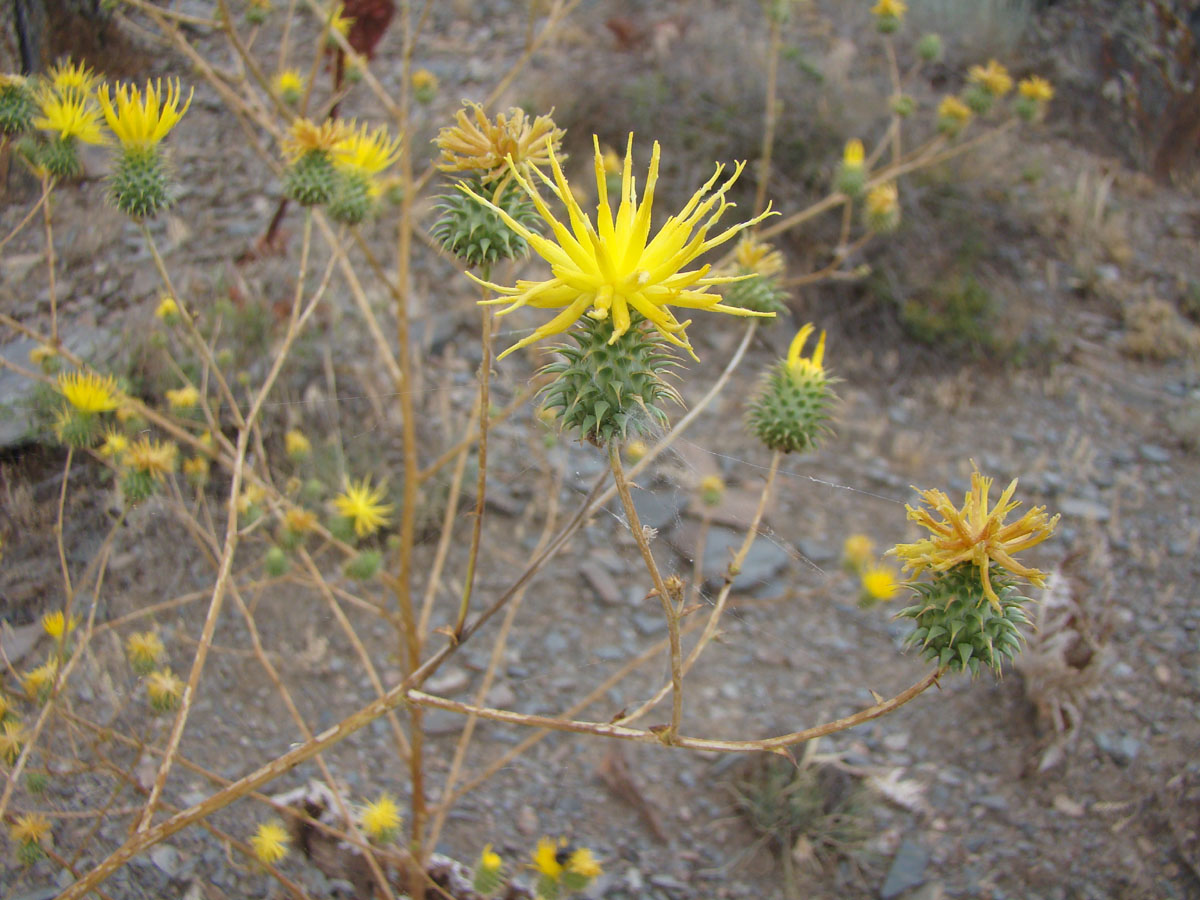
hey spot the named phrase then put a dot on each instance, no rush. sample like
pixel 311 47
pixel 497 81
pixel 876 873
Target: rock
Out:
pixel 649 624
pixel 657 508
pixel 600 580
pixel 167 859
pixel 448 682
pixel 527 821
pixel 1154 453
pixel 1122 748
pixel 442 722
pixel 1078 508
pixel 817 551
pixel 907 870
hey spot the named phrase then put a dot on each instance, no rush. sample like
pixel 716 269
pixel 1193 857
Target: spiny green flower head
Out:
pixel 310 178
pixel 474 232
pixel 889 14
pixel 605 390
pixel 613 268
pixel 960 627
pixel 17 106
pixel 795 399
pixel 358 159
pixel 761 265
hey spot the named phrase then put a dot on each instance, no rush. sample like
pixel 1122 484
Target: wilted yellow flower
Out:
pixel 144 649
pixel 753 255
pixel 37 682
pixel 57 626
pixel 545 857
pixel 893 8
pixel 880 583
pixel 154 458
pixel 299 521
pixel 289 85
pixel 1036 88
pixel 511 146
pixel 635 450
pixel 712 489
pixel 88 392
pixel 305 136
pixel 70 115
pixel 362 505
pixel 883 199
pixel 114 445
pixel 163 689
pixel 424 85
pixel 296 445
pixel 186 397
pixel 798 365
pixel 339 22
pixel 993 78
pixel 489 860
pixel 975 535
pixel 140 122
pixel 270 842
pixel 857 551
pixel 381 819
pixel 614 267
pixel 30 828
pixel 68 79
pixel 41 354
pixel 12 739
pixel 196 468
pixel 953 109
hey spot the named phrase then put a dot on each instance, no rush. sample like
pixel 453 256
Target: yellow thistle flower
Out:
pixel 854 154
pixel 186 397
pixel 41 354
pixel 57 626
pixel 954 109
pixel 167 309
pixel 296 445
pixel 614 267
pixel 857 551
pixel 880 583
pixel 366 154
pixel 1036 88
pixel 635 450
pixel 70 116
pixel 114 446
pixel 712 489
pixel 196 468
pixel 975 534
pixel 797 365
pixel 142 122
pixel 305 136
pixel 299 521
pixel 12 739
pixel 164 689
pixel 339 22
pixel 993 78
pixel 38 682
pixel 88 392
pixel 30 828
pixel 144 650
pixel 362 505
pixel 489 860
pixel 289 85
pixel 381 819
pixel 883 199
pixel 270 842
pixel 424 85
pixel 894 8
pixel 252 495
pixel 545 857
pixel 758 257
pixel 511 146
pixel 583 863
pixel 72 80
pixel 154 458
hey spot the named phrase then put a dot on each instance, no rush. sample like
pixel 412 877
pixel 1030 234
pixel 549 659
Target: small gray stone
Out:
pixel 1154 453
pixel 1078 508
pixel 449 681
pixel 907 870
pixel 648 624
pixel 167 859
pixel 1122 748
pixel 600 580
pixel 556 643
pixel 817 551
pixel 442 722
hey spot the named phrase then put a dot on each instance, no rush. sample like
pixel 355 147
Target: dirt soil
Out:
pixel 968 791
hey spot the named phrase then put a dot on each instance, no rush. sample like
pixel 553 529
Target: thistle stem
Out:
pixel 670 610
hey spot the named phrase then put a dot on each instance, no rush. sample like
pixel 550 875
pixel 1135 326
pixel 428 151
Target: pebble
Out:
pixel 1122 748
pixel 816 551
pixel 448 682
pixel 599 578
pixel 907 870
pixel 1078 508
pixel 167 859
pixel 649 624
pixel 1154 453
